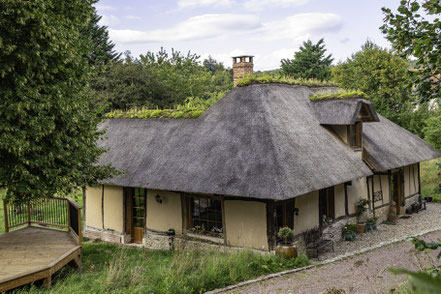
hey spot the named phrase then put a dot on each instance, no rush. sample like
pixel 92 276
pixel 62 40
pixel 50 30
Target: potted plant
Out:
pixel 361 208
pixel 349 232
pixel 286 248
pixel 371 224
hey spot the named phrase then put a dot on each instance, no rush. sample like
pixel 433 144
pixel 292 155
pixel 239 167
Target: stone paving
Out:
pixel 366 272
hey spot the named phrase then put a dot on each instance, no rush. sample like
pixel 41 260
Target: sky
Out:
pixel 270 30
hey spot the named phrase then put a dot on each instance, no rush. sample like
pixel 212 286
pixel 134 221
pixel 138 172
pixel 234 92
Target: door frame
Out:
pixel 128 209
pixel 397 189
pixel 326 203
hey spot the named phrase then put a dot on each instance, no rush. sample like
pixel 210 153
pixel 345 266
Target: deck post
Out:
pixel 29 215
pixel 80 235
pixel 5 209
pixel 47 282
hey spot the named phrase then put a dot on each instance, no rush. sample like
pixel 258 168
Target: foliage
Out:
pixel 414 35
pixel 158 80
pixel 372 220
pixel 279 79
pixel 102 51
pixel 349 228
pixel 344 94
pixel 309 62
pixel 361 206
pixel 414 117
pixel 430 178
pixel 111 269
pixel 381 75
pixel 47 126
pixel 432 131
pixel 423 282
pixel 155 113
pixel 285 233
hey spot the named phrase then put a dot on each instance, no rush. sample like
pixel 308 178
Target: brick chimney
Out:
pixel 242 65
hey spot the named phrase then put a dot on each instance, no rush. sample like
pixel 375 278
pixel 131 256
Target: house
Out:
pixel 262 157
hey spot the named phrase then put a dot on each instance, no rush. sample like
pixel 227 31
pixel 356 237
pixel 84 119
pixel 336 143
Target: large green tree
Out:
pixel 309 62
pixel 159 79
pixel 414 31
pixel 102 50
pixel 381 75
pixel 48 128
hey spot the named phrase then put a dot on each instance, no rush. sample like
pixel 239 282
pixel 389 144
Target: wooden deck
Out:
pixel 33 253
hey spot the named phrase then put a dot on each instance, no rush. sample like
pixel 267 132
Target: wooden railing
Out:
pixel 62 213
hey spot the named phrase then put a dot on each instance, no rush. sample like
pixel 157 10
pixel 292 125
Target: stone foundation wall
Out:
pixel 103 235
pixel 409 201
pixel 382 213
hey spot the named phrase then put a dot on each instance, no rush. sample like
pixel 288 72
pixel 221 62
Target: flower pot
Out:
pixel 360 228
pixel 286 251
pixel 349 236
pixel 371 227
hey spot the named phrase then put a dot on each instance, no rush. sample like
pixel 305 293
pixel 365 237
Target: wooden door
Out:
pixel 138 201
pixel 397 190
pixel 326 205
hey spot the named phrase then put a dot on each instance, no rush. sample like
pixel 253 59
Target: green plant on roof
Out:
pixel 280 79
pixel 343 94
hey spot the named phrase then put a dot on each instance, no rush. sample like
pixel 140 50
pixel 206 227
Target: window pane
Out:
pixel 206 215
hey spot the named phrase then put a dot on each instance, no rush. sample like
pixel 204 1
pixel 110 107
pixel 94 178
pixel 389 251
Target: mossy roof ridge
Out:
pixel 250 80
pixel 156 113
pixel 339 95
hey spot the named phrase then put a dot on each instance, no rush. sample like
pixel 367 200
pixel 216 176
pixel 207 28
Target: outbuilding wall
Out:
pixel 356 191
pixel 113 208
pixel 94 208
pixel 164 215
pixel 411 180
pixel 246 224
pixel 308 217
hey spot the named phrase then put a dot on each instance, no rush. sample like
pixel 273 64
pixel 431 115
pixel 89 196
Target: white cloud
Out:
pixel 105 7
pixel 263 4
pixel 195 3
pixel 195 28
pixel 299 27
pixel 133 17
pixel 108 20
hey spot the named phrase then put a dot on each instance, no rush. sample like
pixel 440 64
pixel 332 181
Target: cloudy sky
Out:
pixel 268 29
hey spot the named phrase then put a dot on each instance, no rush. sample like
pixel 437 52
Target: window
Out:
pixel 285 214
pixel 355 135
pixel 205 215
pixel 326 205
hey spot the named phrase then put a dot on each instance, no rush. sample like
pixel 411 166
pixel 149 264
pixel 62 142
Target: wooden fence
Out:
pixel 62 213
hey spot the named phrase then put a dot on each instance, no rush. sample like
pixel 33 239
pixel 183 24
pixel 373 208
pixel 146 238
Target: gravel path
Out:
pixel 366 272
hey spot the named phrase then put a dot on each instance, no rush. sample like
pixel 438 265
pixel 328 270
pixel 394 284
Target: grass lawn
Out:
pixel 430 179
pixel 108 268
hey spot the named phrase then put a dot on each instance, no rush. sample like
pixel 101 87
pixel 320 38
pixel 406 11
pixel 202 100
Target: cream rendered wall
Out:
pixel 339 200
pixel 384 186
pixel 410 179
pixel 358 190
pixel 308 217
pixel 166 215
pixel 113 208
pixel 245 224
pixel 342 132
pixel 94 217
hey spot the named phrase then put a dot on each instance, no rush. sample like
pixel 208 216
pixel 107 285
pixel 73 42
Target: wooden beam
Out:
pixel 346 200
pixel 419 180
pixel 224 231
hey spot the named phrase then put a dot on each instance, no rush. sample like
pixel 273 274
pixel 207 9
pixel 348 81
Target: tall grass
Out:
pixel 430 178
pixel 111 269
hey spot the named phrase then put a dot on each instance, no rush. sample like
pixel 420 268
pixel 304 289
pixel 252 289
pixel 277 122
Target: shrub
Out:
pixel 285 234
pixel 349 228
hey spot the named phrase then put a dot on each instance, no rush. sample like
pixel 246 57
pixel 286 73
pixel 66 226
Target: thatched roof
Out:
pixel 260 141
pixel 344 111
pixel 389 146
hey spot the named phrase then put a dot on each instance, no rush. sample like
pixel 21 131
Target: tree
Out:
pixel 432 131
pixel 413 35
pixel 381 75
pixel 102 50
pixel 158 79
pixel 48 128
pixel 309 63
